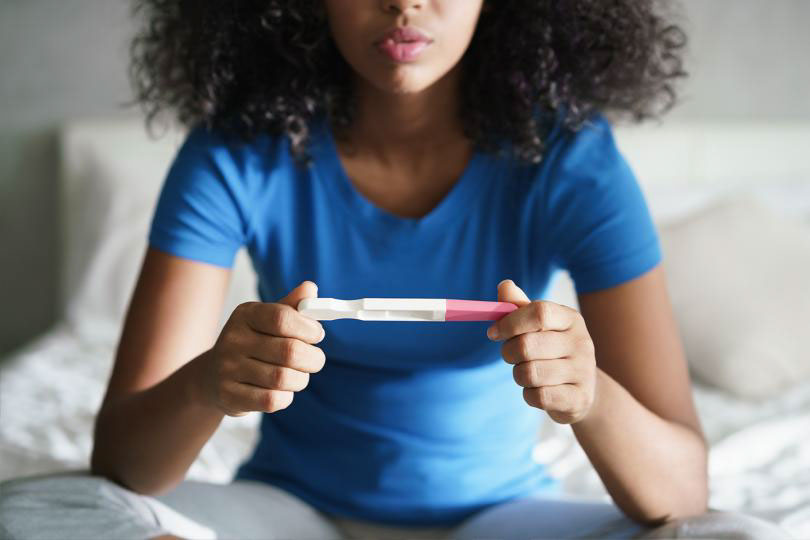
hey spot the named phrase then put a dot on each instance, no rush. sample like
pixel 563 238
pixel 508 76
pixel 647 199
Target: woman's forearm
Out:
pixel 653 468
pixel 148 440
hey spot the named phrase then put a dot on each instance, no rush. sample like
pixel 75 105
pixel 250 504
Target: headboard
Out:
pixel 112 172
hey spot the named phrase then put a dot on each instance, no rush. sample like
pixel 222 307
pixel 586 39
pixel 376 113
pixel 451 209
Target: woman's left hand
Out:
pixel 552 352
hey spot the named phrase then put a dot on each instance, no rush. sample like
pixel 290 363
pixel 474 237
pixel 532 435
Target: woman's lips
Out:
pixel 403 44
pixel 402 52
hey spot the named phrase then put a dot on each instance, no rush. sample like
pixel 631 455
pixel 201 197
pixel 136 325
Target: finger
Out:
pixel 548 373
pixel 538 316
pixel 282 320
pixel 536 346
pixel 562 398
pixel 246 397
pixel 288 352
pixel 273 377
pixel 508 291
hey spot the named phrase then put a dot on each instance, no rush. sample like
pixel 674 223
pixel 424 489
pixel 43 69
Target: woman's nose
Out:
pixel 400 6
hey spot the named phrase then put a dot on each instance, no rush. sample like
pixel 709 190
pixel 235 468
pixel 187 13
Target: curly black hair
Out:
pixel 246 67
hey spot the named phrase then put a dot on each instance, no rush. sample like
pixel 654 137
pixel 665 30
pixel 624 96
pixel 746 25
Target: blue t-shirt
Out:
pixel 416 423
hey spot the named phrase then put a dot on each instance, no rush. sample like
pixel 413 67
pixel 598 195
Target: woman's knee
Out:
pixel 73 504
pixel 719 524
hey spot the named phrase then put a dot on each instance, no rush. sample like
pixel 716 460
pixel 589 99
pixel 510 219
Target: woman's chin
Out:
pixel 404 82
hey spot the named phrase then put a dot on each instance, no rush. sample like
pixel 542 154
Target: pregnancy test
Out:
pixel 404 309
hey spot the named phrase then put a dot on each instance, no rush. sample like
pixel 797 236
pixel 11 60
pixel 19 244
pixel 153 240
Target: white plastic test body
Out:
pixel 404 309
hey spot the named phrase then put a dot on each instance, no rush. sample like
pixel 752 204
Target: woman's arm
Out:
pixel 148 439
pixel 616 372
pixel 642 433
pixel 152 424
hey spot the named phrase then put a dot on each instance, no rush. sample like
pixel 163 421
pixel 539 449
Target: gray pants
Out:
pixel 77 505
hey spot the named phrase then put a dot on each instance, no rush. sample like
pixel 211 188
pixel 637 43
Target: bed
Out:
pixel 701 180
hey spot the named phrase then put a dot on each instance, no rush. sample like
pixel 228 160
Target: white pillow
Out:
pixel 110 180
pixel 739 278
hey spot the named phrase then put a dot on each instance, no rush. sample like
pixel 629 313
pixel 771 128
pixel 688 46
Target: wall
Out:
pixel 60 59
pixel 63 59
pixel 748 59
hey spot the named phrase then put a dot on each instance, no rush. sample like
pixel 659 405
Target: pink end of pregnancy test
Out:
pixel 404 309
pixel 477 310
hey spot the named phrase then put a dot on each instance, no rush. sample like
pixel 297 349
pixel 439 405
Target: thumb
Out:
pixel 508 291
pixel 305 289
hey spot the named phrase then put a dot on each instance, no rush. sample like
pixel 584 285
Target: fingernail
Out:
pixel 492 333
pixel 323 334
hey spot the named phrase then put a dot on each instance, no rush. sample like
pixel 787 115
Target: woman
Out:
pixel 410 148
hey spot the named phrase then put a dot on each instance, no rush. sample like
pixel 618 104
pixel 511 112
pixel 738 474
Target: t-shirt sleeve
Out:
pixel 597 222
pixel 201 212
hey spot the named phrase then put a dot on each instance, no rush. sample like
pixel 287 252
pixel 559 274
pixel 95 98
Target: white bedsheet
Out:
pixel 51 388
pixel 50 391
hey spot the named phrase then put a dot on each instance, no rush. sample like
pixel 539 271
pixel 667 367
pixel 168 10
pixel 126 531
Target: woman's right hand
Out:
pixel 264 353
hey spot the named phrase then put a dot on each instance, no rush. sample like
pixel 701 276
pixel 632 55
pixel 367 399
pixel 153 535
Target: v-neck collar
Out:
pixel 454 205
